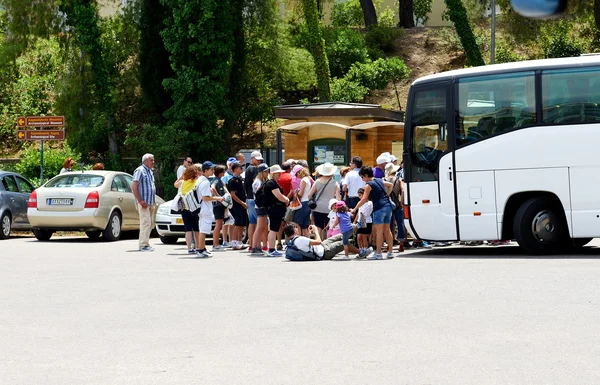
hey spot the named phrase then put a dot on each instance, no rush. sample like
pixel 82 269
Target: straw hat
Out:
pixel 326 169
pixel 391 168
pixel 275 169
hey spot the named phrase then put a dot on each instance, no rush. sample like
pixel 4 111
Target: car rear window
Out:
pixel 76 180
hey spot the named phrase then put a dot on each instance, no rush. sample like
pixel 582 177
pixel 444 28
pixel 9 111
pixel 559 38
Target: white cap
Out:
pixel 393 158
pixel 383 158
pixel 256 155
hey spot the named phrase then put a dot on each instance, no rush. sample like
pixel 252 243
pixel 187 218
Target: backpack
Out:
pixel 396 197
pixel 191 201
pixel 293 253
pixel 260 198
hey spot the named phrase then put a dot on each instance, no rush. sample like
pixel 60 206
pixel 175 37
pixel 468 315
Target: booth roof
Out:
pixel 337 109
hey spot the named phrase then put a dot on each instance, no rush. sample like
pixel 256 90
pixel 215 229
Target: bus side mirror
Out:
pixel 539 9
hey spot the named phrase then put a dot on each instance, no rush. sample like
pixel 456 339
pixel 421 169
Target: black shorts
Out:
pixel 320 219
pixel 240 215
pixel 275 214
pixel 190 221
pixel 261 212
pixel 219 212
pixel 365 230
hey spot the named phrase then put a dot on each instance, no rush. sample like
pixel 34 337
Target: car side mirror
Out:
pixel 539 9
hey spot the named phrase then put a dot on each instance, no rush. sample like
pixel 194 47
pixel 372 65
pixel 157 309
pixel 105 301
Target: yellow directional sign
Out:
pixel 21 122
pixel 20 135
pixel 41 135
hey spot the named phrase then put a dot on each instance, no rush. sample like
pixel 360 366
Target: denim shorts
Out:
pixel 383 216
pixel 252 217
pixel 346 237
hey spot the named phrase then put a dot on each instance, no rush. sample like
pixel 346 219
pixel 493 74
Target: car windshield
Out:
pixel 76 180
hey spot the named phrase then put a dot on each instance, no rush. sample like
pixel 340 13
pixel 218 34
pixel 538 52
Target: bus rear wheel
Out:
pixel 540 228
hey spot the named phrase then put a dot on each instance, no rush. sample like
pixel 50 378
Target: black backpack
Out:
pixel 293 253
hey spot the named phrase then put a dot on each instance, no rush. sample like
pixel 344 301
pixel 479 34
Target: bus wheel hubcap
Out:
pixel 544 227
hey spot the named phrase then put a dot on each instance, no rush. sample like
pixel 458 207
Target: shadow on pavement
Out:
pixel 500 252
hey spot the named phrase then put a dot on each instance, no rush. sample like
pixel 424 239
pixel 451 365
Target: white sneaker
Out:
pixel 375 257
pixel 203 254
pixel 226 245
pixel 368 251
pixel 389 256
pixel 344 258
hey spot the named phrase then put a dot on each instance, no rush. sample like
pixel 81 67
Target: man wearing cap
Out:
pixel 382 160
pixel 229 174
pixel 238 194
pixel 251 172
pixel 353 182
pixel 206 208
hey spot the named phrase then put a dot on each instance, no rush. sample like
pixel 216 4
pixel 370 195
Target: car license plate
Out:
pixel 179 221
pixel 60 201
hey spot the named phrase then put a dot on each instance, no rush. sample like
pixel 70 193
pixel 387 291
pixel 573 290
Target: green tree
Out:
pixel 83 16
pixel 458 16
pixel 316 45
pixel 154 58
pixel 199 38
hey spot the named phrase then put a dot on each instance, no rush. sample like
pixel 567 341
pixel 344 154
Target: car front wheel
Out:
pixel 5 224
pixel 113 229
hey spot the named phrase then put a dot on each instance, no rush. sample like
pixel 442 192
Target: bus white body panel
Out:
pixel 585 201
pixel 477 205
pixel 552 180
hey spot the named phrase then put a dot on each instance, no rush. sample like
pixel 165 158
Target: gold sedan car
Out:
pixel 97 202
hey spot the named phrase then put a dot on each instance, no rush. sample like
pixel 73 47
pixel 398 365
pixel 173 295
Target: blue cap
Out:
pixel 263 167
pixel 231 160
pixel 208 164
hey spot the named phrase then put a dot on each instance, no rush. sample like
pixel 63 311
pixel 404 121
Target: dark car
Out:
pixel 14 196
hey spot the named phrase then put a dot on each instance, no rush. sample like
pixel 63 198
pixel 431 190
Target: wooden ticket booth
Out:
pixel 334 132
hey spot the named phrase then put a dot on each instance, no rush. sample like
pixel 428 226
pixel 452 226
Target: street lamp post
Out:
pixel 493 44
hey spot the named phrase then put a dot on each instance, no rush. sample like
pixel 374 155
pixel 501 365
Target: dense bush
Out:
pixel 29 166
pixel 421 9
pixel 344 47
pixel 346 90
pixel 505 55
pixel 297 70
pixel 381 40
pixel 557 41
pixel 364 77
pixel 347 14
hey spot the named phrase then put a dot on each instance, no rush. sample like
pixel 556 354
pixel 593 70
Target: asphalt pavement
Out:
pixel 75 311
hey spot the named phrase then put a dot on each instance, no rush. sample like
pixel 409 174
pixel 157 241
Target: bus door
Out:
pixel 430 175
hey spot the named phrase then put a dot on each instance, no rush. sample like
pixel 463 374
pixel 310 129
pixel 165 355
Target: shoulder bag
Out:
pixel 312 204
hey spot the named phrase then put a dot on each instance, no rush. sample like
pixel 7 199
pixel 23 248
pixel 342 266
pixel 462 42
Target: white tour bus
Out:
pixel 507 151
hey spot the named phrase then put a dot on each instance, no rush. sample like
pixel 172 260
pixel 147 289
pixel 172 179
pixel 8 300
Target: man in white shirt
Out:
pixel 187 162
pixel 353 182
pixel 326 249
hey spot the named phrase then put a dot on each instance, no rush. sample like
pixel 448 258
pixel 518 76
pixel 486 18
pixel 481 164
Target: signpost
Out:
pixel 52 131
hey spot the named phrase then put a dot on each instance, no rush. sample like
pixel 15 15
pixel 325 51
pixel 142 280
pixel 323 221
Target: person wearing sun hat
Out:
pixel 251 171
pixel 382 161
pixel 391 175
pixel 276 204
pixel 324 189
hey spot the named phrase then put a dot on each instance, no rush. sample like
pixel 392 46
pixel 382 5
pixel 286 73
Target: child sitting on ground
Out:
pixel 346 226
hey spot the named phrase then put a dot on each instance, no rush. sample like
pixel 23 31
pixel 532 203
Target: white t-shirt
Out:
pixel 354 182
pixel 256 185
pixel 206 208
pixel 180 171
pixel 306 181
pixel 303 243
pixel 332 218
pixel 366 211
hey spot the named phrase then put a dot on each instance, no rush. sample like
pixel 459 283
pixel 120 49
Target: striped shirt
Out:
pixel 146 188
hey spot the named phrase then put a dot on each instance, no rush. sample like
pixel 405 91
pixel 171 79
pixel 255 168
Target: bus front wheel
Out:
pixel 539 226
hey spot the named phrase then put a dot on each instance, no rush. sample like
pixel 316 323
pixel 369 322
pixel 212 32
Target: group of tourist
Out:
pixel 266 209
